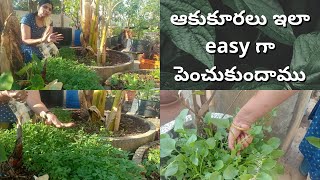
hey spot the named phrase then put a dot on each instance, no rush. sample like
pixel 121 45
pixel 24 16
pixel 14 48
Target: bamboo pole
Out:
pixel 85 21
pixel 117 103
pixel 302 102
pixel 99 100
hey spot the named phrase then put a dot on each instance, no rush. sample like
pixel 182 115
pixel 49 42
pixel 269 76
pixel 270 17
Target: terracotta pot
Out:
pixel 168 96
pixel 130 95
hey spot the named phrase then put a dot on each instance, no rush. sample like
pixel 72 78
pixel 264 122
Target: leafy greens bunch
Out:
pixel 72 74
pixel 68 154
pixel 190 156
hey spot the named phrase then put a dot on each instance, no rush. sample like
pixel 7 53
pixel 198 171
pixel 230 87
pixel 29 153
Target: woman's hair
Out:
pixel 42 2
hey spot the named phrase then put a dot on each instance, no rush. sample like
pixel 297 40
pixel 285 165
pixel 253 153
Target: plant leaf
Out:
pixel 314 141
pixel 37 82
pixel 274 142
pixel 266 149
pixel 191 39
pixel 264 176
pixel 178 124
pixel 213 176
pixel 220 123
pixel 3 156
pixel 192 139
pixel 255 130
pixel 218 165
pixel 276 154
pixel 270 8
pixel 194 159
pixel 171 169
pixel 306 55
pixel 231 4
pixel 6 81
pixel 246 177
pixel 167 146
pixel 268 164
pixel 230 172
pixel 211 143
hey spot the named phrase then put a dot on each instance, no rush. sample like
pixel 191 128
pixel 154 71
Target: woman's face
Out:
pixel 45 10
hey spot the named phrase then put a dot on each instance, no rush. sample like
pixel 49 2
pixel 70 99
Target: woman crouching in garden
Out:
pixel 37 32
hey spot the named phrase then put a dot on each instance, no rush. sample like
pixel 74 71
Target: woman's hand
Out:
pixel 52 119
pixel 239 134
pixel 52 37
pixel 55 37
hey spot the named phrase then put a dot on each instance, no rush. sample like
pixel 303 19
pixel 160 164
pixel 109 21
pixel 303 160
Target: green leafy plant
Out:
pixel 149 94
pixel 6 81
pixel 62 114
pixel 133 81
pixel 70 154
pixel 152 163
pixel 190 156
pixel 67 53
pixel 3 156
pixel 72 74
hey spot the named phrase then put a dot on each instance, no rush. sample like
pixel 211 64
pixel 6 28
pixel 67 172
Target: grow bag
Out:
pixel 52 98
pixel 148 109
pixel 67 34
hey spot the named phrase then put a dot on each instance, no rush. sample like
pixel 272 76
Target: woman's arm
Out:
pixel 261 103
pixel 35 103
pixel 26 36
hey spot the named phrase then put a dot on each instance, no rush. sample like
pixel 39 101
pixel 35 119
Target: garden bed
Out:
pixel 129 125
pixel 133 131
pixel 69 154
pixel 134 80
pixel 116 62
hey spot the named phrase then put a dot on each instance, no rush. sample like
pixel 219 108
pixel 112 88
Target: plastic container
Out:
pixel 72 99
pixel 149 64
pixel 77 34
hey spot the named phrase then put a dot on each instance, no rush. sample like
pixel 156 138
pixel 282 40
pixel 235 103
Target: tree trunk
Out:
pixel 32 6
pixel 62 14
pixel 114 117
pixel 11 37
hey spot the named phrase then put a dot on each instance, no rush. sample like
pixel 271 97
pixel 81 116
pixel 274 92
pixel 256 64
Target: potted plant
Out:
pixel 149 103
pixel 95 32
pixel 114 122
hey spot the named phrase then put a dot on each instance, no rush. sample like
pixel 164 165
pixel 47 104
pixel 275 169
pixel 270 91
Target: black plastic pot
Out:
pixel 67 35
pixel 109 103
pixel 52 98
pixel 148 109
